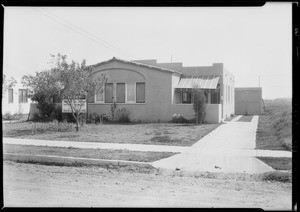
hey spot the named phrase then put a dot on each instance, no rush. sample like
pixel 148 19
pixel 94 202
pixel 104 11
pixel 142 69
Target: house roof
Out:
pixel 138 64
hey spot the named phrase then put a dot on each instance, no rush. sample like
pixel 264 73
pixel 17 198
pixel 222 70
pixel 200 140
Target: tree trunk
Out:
pixel 76 119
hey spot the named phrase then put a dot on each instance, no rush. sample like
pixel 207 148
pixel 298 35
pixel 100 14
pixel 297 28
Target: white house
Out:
pixel 15 99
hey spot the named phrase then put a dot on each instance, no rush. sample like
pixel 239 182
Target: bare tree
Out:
pixel 75 82
pixel 7 84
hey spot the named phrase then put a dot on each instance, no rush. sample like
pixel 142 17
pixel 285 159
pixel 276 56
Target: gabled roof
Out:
pixel 137 64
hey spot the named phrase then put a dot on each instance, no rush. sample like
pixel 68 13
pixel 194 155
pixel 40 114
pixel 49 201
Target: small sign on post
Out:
pixel 78 104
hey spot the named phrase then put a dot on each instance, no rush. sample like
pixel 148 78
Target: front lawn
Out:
pixel 278 163
pixel 274 130
pixel 150 133
pixel 87 153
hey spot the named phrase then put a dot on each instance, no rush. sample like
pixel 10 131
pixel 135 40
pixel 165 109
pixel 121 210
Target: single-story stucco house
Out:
pixel 154 92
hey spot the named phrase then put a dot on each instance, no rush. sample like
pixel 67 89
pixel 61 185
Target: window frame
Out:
pixel 117 92
pixel 23 98
pixel 113 92
pixel 134 93
pixel 189 97
pixel 137 90
pixel 103 95
pixel 12 95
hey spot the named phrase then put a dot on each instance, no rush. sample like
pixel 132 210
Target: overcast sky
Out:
pixel 250 41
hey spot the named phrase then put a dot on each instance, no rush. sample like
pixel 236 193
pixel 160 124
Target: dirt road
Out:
pixel 57 186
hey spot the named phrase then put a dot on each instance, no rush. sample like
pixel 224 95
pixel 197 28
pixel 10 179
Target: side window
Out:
pixel 140 92
pixel 23 96
pixel 10 95
pixel 109 93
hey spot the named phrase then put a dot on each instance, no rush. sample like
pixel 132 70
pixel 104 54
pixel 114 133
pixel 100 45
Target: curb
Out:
pixel 74 160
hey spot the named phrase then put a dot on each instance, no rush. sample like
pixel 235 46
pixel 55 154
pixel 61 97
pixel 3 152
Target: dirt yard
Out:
pixel 155 133
pixel 40 185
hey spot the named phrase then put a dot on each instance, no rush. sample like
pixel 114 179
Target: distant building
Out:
pixel 248 101
pixel 15 100
pixel 153 91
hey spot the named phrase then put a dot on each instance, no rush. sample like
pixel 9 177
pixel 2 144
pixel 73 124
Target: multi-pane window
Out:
pixel 109 93
pixel 120 93
pixel 23 96
pixel 186 97
pixel 130 92
pixel 100 96
pixel 140 92
pixel 10 95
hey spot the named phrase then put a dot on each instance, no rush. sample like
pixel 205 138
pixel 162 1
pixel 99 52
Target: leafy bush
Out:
pixel 277 176
pixel 69 117
pixel 123 115
pixel 199 105
pixel 177 118
pixel 8 116
pixel 94 118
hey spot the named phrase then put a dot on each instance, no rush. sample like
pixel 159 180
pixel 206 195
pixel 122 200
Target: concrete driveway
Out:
pixel 226 149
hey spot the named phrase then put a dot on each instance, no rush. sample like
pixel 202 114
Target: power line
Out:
pixel 127 53
pixel 85 35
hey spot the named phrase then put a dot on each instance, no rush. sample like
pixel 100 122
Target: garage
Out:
pixel 248 101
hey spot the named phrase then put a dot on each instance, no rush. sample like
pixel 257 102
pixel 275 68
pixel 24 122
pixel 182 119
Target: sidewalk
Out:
pixel 95 145
pixel 229 148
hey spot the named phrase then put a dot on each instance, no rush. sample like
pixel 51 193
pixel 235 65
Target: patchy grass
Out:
pixel 284 177
pixel 150 133
pixel 277 163
pixel 87 153
pixel 275 126
pixel 246 119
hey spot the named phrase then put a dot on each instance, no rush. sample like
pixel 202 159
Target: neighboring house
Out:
pixel 248 101
pixel 154 92
pixel 15 100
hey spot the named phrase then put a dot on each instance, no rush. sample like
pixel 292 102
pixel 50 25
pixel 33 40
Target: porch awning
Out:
pixel 204 82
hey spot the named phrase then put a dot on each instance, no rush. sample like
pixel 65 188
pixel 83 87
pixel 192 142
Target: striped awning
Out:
pixel 204 82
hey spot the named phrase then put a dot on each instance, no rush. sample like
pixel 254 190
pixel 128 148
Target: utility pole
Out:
pixel 259 81
pixel 171 58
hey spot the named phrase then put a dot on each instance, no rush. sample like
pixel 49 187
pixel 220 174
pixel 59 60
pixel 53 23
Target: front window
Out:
pixel 140 92
pixel 100 97
pixel 186 97
pixel 130 92
pixel 109 93
pixel 120 92
pixel 23 96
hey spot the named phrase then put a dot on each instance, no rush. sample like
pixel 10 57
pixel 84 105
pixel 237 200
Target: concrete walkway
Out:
pixel 229 148
pixel 95 145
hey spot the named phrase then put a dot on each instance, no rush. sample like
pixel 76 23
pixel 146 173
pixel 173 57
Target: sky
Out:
pixel 254 43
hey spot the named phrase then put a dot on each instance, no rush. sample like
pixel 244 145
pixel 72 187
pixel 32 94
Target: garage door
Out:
pixel 248 102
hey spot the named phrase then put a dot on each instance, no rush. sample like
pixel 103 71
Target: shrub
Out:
pixel 7 116
pixel 199 105
pixel 94 118
pixel 277 176
pixel 123 115
pixel 177 118
pixel 69 117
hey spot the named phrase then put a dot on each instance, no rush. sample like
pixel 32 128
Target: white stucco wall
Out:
pixel 15 106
